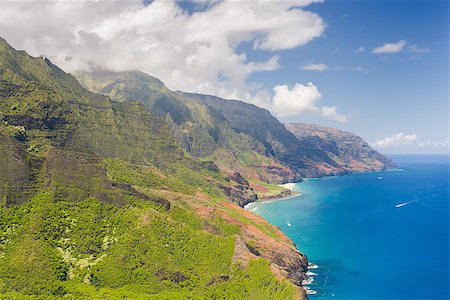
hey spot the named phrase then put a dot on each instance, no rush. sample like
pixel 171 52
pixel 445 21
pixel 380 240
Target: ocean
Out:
pixel 379 235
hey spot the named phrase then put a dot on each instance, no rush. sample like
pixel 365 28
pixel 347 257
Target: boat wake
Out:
pixel 405 203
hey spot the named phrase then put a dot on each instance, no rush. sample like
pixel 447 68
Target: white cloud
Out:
pixel 399 46
pixel 324 67
pixel 330 112
pixel 442 143
pixel 191 51
pixel 314 67
pixel 196 52
pixel 438 146
pixel 410 143
pixel 299 99
pixel 390 47
pixel 269 65
pixel 414 49
pixel 349 69
pixel 359 50
pixel 398 139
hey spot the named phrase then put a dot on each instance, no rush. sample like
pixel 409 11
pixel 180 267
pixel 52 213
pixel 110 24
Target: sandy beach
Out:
pixel 289 186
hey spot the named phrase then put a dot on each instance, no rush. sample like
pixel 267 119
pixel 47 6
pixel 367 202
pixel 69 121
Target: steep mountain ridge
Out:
pixel 347 149
pixel 237 136
pixel 99 201
pixel 199 128
pixel 304 157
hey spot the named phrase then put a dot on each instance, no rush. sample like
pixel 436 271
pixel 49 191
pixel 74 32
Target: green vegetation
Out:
pixel 120 171
pixel 199 128
pixel 267 190
pixel 98 201
pixel 179 179
pixel 91 249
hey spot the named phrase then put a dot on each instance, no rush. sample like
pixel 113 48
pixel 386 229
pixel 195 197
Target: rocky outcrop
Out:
pixel 285 260
pixel 240 191
pixel 280 174
pixel 282 194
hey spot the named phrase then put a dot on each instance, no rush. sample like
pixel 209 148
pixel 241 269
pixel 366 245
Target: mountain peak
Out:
pixel 104 74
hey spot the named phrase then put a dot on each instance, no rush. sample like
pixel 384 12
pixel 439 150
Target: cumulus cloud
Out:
pixel 397 139
pixel 196 51
pixel 314 67
pixel 292 101
pixel 301 98
pixel 390 47
pixel 399 46
pixel 330 113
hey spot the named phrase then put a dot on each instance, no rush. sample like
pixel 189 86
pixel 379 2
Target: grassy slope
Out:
pixel 105 204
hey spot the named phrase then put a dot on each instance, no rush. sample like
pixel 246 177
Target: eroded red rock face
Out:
pixel 285 260
pixel 260 239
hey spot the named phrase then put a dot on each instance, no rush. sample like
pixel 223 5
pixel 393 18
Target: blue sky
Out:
pixel 375 68
pixel 384 94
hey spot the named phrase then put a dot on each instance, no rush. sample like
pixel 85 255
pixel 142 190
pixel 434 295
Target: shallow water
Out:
pixel 381 235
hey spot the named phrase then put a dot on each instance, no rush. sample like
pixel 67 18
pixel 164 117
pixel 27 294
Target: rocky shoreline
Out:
pixel 283 194
pixel 289 263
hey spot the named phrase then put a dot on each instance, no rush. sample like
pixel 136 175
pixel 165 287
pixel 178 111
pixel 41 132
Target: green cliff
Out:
pixel 99 201
pixel 199 128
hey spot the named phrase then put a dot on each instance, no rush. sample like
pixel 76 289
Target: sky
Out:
pixel 377 68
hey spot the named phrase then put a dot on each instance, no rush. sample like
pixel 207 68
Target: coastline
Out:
pixel 280 197
pixel 349 173
pixel 308 278
pixel 290 186
pixel 293 192
pixel 316 284
pixel 290 190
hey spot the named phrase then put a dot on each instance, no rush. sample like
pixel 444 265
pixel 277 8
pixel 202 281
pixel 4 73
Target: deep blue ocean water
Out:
pixel 381 235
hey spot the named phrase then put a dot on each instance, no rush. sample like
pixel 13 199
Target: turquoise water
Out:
pixel 381 235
